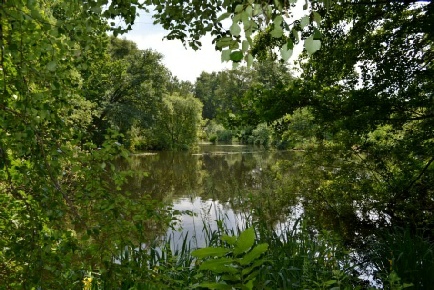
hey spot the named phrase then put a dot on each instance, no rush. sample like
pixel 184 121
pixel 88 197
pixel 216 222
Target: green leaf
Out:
pixel 249 284
pixel 231 240
pixel 317 34
pixel 249 10
pixel 223 42
pixel 245 45
pixel 223 16
pixel 330 282
pixel 304 22
pixel 51 66
pixel 256 264
pixel 235 29
pixel 277 32
pixel 255 253
pixel 234 45
pixel 249 60
pixel 226 55
pixel 317 18
pixel 210 252
pixel 285 53
pixel 312 45
pixel 236 56
pixel 220 265
pixel 245 241
pixel 278 20
pixel 239 8
pixel 257 9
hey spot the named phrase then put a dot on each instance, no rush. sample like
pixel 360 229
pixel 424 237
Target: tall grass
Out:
pixel 402 256
pixel 297 257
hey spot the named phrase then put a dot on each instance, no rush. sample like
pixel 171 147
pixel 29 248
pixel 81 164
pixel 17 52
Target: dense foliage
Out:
pixel 73 98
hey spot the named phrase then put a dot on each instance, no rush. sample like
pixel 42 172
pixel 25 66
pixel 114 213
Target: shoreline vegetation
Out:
pixel 355 115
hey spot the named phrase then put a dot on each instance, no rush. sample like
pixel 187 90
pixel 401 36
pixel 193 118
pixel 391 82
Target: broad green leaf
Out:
pixel 257 9
pixel 255 265
pixel 220 265
pixel 249 10
pixel 96 9
pixel 236 56
pixel 235 29
pixel 245 45
pixel 226 55
pixel 239 8
pixel 249 40
pixel 312 45
pixel 223 42
pixel 245 241
pixel 304 22
pixel 51 66
pixel 317 18
pixel 317 34
pixel 249 284
pixel 269 12
pixel 329 282
pixel 278 4
pixel 277 32
pixel 285 53
pixel 231 240
pixel 234 45
pixel 255 253
pixel 210 252
pixel 249 60
pixel 278 20
pixel 223 16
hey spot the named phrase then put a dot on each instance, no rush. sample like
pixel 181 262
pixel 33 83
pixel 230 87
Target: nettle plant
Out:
pixel 235 264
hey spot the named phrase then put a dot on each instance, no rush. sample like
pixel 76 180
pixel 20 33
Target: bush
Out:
pixel 262 135
pixel 216 132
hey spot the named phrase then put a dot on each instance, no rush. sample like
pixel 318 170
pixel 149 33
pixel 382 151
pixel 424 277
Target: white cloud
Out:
pixel 185 63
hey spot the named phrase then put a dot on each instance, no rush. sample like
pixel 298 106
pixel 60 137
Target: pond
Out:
pixel 216 182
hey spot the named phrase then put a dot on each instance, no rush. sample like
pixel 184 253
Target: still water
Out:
pixel 216 182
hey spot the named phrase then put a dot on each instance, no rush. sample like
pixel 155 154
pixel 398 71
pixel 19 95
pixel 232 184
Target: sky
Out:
pixel 185 63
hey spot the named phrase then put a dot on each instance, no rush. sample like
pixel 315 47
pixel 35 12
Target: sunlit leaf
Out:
pixel 220 265
pixel 245 241
pixel 223 16
pixel 277 32
pixel 255 253
pixel 236 56
pixel 312 45
pixel 285 53
pixel 235 29
pixel 231 240
pixel 226 55
pixel 51 66
pixel 317 18
pixel 304 21
pixel 245 45
pixel 210 252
